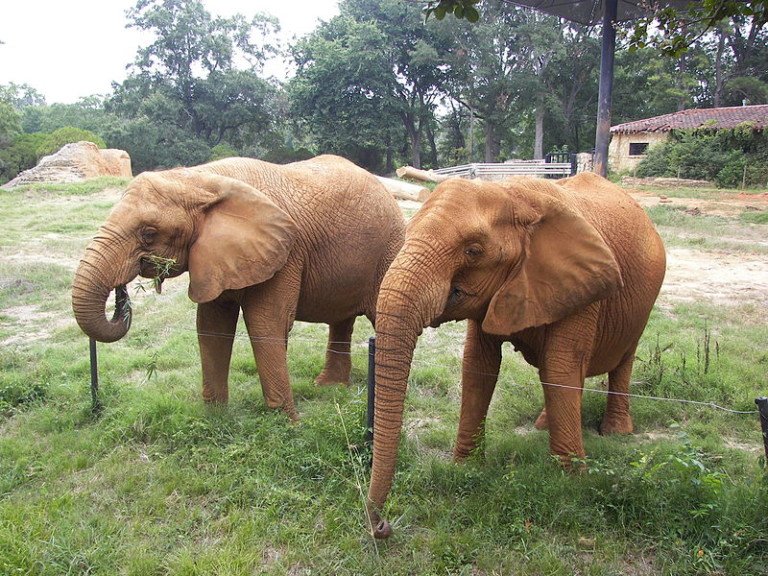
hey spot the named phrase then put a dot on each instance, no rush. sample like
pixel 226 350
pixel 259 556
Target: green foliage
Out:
pixel 22 154
pixel 730 158
pixel 672 31
pixel 186 85
pixel 344 73
pixel 155 145
pixel 67 135
pixel 459 8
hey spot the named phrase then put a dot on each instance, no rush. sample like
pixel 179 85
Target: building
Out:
pixel 630 141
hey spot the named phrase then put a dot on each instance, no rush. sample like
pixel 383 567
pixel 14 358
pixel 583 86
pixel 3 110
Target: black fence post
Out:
pixel 95 400
pixel 371 389
pixel 762 408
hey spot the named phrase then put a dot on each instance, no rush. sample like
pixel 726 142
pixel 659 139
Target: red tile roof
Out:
pixel 755 117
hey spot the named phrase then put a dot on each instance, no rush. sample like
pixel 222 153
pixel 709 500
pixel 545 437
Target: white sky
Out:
pixel 68 50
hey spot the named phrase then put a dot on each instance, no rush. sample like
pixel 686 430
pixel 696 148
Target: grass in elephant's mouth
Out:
pixel 163 268
pixel 161 484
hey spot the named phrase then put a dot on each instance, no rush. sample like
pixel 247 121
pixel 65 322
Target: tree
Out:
pixel 341 91
pixel 21 154
pixel 10 128
pixel 418 56
pixel 20 96
pixel 190 80
pixel 67 135
pixel 498 73
pixel 673 31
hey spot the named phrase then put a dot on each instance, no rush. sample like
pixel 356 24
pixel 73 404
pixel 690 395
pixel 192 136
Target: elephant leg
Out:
pixel 617 419
pixel 480 371
pixel 338 360
pixel 567 350
pixel 562 401
pixel 268 318
pixel 216 325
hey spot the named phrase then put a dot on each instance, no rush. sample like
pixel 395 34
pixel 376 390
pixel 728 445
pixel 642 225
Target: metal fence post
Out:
pixel 371 389
pixel 762 408
pixel 95 400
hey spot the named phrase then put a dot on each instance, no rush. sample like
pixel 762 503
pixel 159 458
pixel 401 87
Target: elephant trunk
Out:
pixel 94 281
pixel 407 303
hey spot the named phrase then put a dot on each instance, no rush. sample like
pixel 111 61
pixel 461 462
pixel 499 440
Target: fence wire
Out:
pixel 419 362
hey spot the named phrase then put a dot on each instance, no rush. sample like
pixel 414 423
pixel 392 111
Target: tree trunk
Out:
pixel 492 145
pixel 538 140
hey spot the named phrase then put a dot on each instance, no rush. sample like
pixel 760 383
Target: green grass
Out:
pixel 159 484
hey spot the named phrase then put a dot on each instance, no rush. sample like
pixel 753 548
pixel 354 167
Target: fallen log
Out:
pixel 412 173
pixel 405 190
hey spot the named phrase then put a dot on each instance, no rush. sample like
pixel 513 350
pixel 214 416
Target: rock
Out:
pixel 74 163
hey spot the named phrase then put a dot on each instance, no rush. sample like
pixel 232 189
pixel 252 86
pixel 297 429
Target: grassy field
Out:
pixel 158 484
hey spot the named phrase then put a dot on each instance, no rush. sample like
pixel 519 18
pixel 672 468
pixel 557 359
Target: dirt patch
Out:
pixel 729 205
pixel 723 277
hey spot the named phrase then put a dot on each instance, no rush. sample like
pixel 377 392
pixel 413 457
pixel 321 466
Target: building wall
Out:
pixel 619 157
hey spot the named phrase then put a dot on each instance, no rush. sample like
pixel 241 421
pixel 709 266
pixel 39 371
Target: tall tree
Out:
pixel 200 75
pixel 341 91
pixel 493 73
pixel 418 56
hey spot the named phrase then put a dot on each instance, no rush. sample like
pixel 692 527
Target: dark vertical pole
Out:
pixel 371 389
pixel 762 407
pixel 605 92
pixel 95 401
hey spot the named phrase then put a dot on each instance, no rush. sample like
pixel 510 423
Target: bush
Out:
pixel 730 158
pixel 68 135
pixel 21 155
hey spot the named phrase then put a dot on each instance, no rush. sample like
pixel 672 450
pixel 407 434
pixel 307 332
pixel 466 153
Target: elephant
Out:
pixel 567 271
pixel 306 241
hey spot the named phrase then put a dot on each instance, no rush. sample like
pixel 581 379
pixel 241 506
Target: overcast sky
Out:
pixel 68 50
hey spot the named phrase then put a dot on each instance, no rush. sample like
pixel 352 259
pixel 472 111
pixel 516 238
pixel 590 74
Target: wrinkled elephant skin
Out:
pixel 306 241
pixel 566 271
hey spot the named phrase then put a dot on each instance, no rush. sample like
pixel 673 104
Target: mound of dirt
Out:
pixel 74 163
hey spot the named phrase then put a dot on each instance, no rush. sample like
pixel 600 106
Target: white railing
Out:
pixel 499 171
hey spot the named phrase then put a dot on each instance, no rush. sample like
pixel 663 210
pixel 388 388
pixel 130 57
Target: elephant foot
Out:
pixel 542 422
pixel 219 398
pixel 331 380
pixel 334 374
pixel 613 424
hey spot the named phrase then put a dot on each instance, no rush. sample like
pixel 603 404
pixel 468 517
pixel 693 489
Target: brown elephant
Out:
pixel 566 271
pixel 305 241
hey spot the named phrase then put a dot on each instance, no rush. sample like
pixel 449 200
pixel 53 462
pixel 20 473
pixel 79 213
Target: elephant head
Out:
pixel 227 234
pixel 510 256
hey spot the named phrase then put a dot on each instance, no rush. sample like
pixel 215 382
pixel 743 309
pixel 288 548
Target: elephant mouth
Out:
pixel 158 269
pixel 458 298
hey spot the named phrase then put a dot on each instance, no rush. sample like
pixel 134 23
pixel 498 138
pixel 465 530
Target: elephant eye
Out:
pixel 148 236
pixel 473 251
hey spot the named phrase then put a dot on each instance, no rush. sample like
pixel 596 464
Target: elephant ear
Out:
pixel 565 266
pixel 243 239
